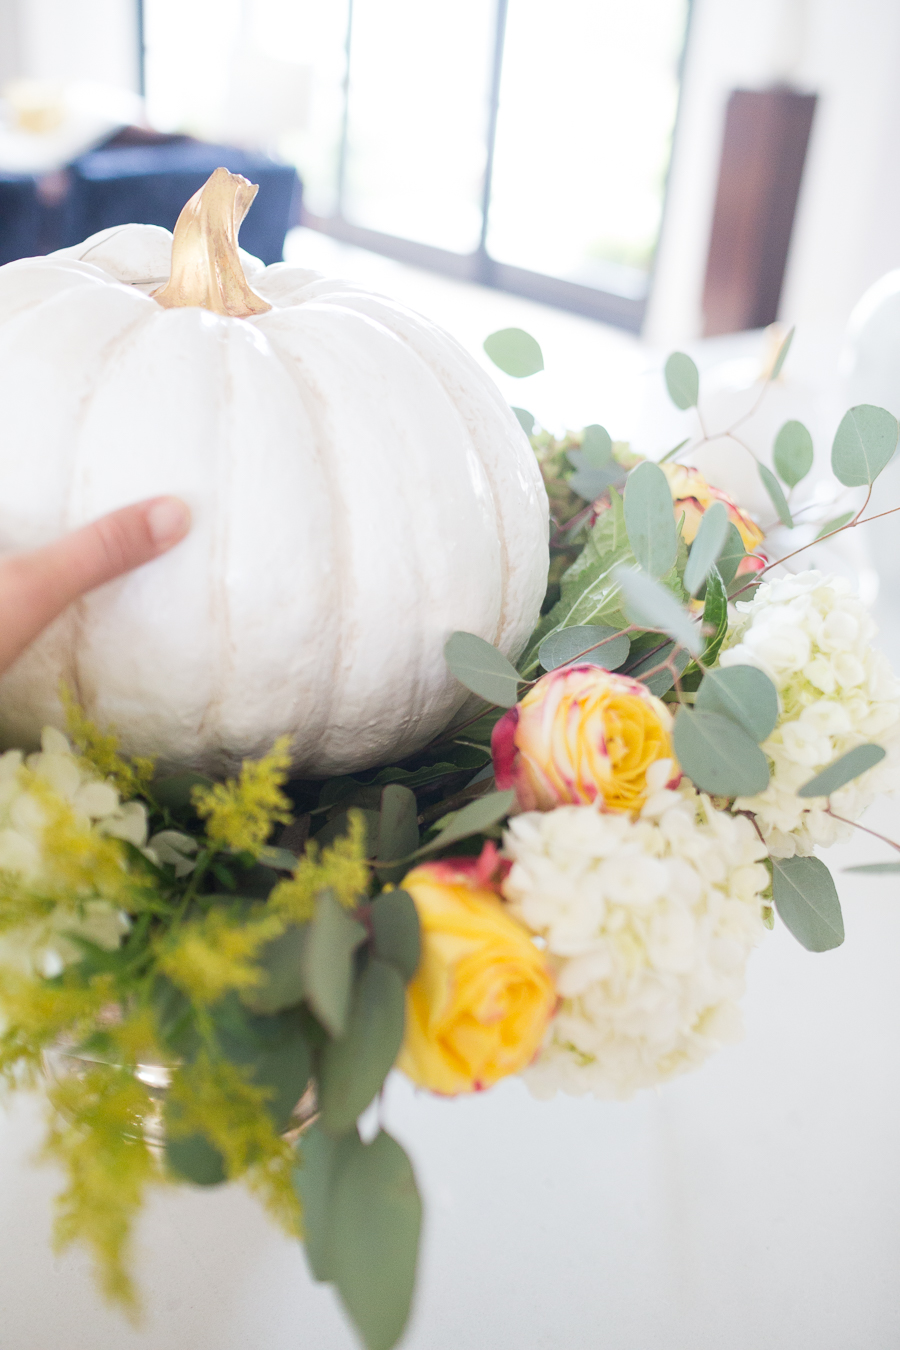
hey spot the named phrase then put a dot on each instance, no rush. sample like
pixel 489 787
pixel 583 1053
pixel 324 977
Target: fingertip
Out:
pixel 168 521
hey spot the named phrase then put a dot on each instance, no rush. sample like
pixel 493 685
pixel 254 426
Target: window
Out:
pixel 515 142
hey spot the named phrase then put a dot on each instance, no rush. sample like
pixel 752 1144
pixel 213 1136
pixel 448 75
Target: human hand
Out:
pixel 35 587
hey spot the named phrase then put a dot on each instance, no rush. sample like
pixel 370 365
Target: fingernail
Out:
pixel 168 520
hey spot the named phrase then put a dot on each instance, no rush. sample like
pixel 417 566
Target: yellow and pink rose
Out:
pixel 582 735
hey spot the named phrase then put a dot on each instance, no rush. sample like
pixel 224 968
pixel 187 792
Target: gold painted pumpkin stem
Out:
pixel 206 265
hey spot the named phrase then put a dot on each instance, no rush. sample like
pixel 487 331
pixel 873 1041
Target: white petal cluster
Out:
pixel 648 923
pixel 42 945
pixel 813 638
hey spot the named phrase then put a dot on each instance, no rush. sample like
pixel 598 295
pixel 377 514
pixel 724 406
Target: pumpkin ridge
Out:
pixel 312 402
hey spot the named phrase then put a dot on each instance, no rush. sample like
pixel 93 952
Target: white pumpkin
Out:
pixel 359 490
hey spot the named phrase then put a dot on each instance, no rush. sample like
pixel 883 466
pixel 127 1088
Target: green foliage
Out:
pixel 650 520
pixel 660 681
pixel 339 868
pixel 216 1099
pixel 208 956
pixel 863 445
pixel 354 1065
pixel 807 902
pixel 596 446
pixel 744 694
pixel 241 815
pixel 732 555
pixel 718 755
pixel 525 420
pixel 362 1217
pixel 782 356
pixel 650 605
pixel 482 669
pixel 396 935
pixel 777 497
pixel 588 644
pixel 476 818
pixel 280 963
pixel 398 825
pixel 708 544
pixel 327 961
pixel 831 526
pixel 793 453
pixel 590 592
pixel 682 381
pixel 842 770
pixel 515 352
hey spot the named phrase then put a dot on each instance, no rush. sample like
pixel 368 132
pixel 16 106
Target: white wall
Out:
pixel 847 231
pixel 70 40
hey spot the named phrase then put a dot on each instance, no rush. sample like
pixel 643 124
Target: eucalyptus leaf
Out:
pixel 589 484
pixel 806 899
pixel 398 826
pixel 744 694
pixel 708 544
pixel 782 356
pixel 377 1216
pixel 837 524
pixel 875 869
pixel 568 645
pixel 175 791
pixel 191 1157
pixel 650 605
pixel 793 453
pixel 353 1067
pixel 650 519
pixel 661 681
pixel 779 501
pixel 327 961
pixel 682 381
pixel 863 445
pixel 715 616
pixel 596 446
pixel 274 1053
pixel 515 352
pixel 318 1157
pixel 718 756
pixel 481 668
pixel 396 933
pixel 475 818
pixel 282 963
pixel 842 770
pixel 525 420
pixel 732 555
pixel 339 826
pixel 280 858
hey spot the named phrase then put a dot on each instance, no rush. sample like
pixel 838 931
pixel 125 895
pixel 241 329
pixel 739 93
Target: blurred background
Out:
pixel 619 179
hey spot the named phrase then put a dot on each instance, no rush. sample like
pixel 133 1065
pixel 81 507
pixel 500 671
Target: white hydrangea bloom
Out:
pixel 43 945
pixel 813 638
pixel 648 923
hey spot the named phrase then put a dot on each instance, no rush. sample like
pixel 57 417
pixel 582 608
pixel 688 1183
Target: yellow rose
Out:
pixel 692 495
pixel 478 1006
pixel 579 735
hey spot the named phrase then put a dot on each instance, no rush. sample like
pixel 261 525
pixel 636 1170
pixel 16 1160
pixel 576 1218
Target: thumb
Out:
pixel 35 587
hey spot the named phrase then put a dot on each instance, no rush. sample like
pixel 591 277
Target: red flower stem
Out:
pixel 865 829
pixel 851 524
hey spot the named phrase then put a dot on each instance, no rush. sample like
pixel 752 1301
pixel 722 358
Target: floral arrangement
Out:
pixel 216 977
